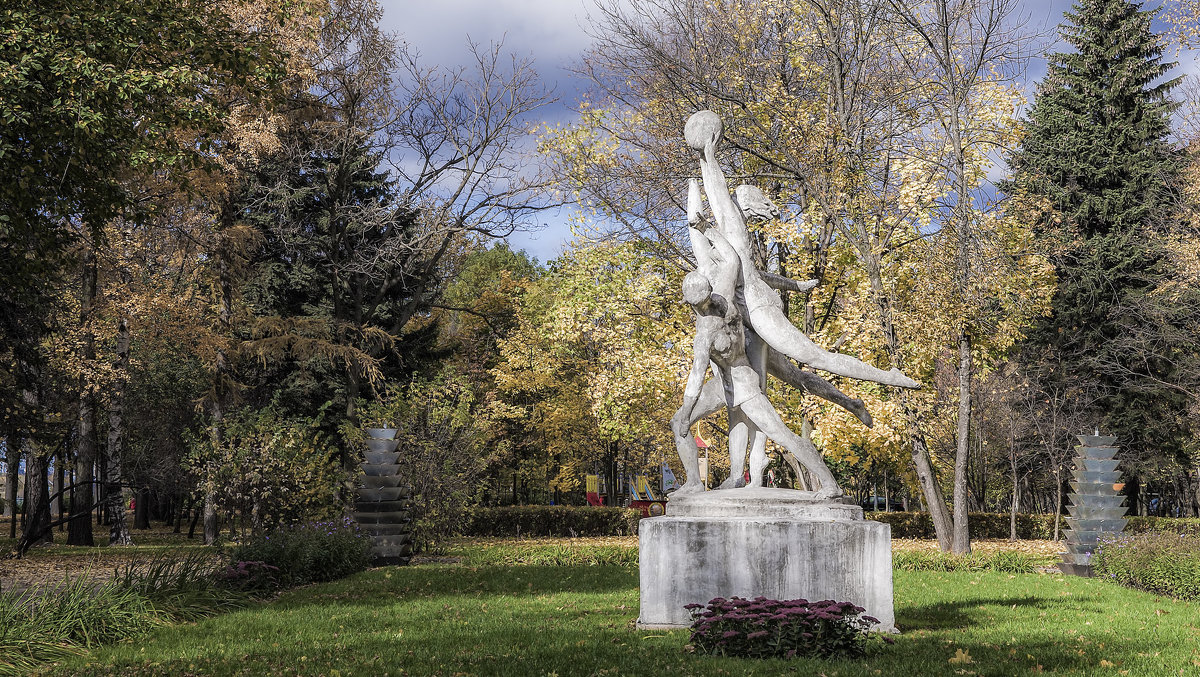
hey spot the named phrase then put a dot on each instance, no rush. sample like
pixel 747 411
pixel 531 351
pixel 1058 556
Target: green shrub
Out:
pixel 767 628
pixel 934 560
pixel 1157 561
pixel 313 552
pixel 980 524
pixel 1174 525
pixel 184 586
pixel 268 464
pixel 550 555
pixel 552 520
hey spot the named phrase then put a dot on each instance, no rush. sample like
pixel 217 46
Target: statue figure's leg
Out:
pixel 769 321
pixel 740 431
pixel 756 353
pixel 759 410
pixel 712 398
pixel 785 370
pixel 758 458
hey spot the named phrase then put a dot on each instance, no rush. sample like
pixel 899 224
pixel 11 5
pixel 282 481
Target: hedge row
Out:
pixel 980 524
pixel 561 520
pixel 551 520
pixel 995 525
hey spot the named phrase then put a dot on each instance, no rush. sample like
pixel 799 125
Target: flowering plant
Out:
pixel 768 628
pixel 1160 562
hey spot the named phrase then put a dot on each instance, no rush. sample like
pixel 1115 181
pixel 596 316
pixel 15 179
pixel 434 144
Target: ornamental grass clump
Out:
pixel 768 628
pixel 181 585
pixel 1159 562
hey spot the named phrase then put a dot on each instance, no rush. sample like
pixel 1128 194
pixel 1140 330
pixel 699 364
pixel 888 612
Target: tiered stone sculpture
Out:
pixel 382 506
pixel 1095 507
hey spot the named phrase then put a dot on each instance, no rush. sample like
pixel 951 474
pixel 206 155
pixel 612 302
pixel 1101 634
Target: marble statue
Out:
pixel 743 333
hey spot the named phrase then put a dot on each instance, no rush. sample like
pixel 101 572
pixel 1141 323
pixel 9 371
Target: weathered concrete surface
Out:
pixel 694 558
pixel 760 502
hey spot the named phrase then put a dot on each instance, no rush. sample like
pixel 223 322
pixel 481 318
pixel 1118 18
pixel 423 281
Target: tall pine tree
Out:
pixel 1096 148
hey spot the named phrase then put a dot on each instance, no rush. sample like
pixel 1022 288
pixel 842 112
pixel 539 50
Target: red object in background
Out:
pixel 594 499
pixel 650 508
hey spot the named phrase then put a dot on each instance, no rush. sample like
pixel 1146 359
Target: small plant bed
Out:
pixel 1160 562
pixel 768 628
pixel 579 620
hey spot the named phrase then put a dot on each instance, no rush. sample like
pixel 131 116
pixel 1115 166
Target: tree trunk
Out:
pixel 221 378
pixel 962 540
pixel 36 528
pixel 1057 503
pixel 141 516
pixel 12 461
pixel 56 504
pixel 1195 493
pixel 182 513
pixel 934 500
pixel 923 466
pixel 114 499
pixel 1016 491
pixel 79 530
pixel 195 519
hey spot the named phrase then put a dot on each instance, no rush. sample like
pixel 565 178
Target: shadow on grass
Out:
pixel 956 614
pixel 369 588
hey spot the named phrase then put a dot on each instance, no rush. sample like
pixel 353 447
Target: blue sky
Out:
pixel 552 33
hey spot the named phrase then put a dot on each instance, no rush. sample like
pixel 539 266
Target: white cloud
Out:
pixel 549 30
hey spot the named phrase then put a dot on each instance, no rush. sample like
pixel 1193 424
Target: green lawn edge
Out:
pixel 579 620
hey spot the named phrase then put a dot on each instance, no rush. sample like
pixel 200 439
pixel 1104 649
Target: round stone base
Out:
pixel 777 543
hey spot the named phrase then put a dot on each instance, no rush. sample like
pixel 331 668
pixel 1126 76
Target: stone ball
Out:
pixel 701 128
pixel 696 288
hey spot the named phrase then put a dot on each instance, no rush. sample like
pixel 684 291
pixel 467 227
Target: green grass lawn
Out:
pixel 578 620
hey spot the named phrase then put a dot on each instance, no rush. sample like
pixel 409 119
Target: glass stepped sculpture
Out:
pixel 382 506
pixel 1095 504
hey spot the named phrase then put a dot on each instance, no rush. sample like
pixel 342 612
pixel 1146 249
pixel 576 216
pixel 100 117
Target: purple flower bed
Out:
pixel 768 628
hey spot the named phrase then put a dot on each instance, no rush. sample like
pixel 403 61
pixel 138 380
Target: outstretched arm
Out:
pixel 728 270
pixel 786 283
pixel 701 247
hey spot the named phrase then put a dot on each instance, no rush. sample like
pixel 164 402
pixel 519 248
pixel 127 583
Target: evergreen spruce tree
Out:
pixel 1096 147
pixel 335 262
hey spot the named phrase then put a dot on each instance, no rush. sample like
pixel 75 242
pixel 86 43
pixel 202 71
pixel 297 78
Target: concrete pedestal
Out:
pixel 777 543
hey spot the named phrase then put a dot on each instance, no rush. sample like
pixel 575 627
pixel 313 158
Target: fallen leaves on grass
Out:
pixel 961 657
